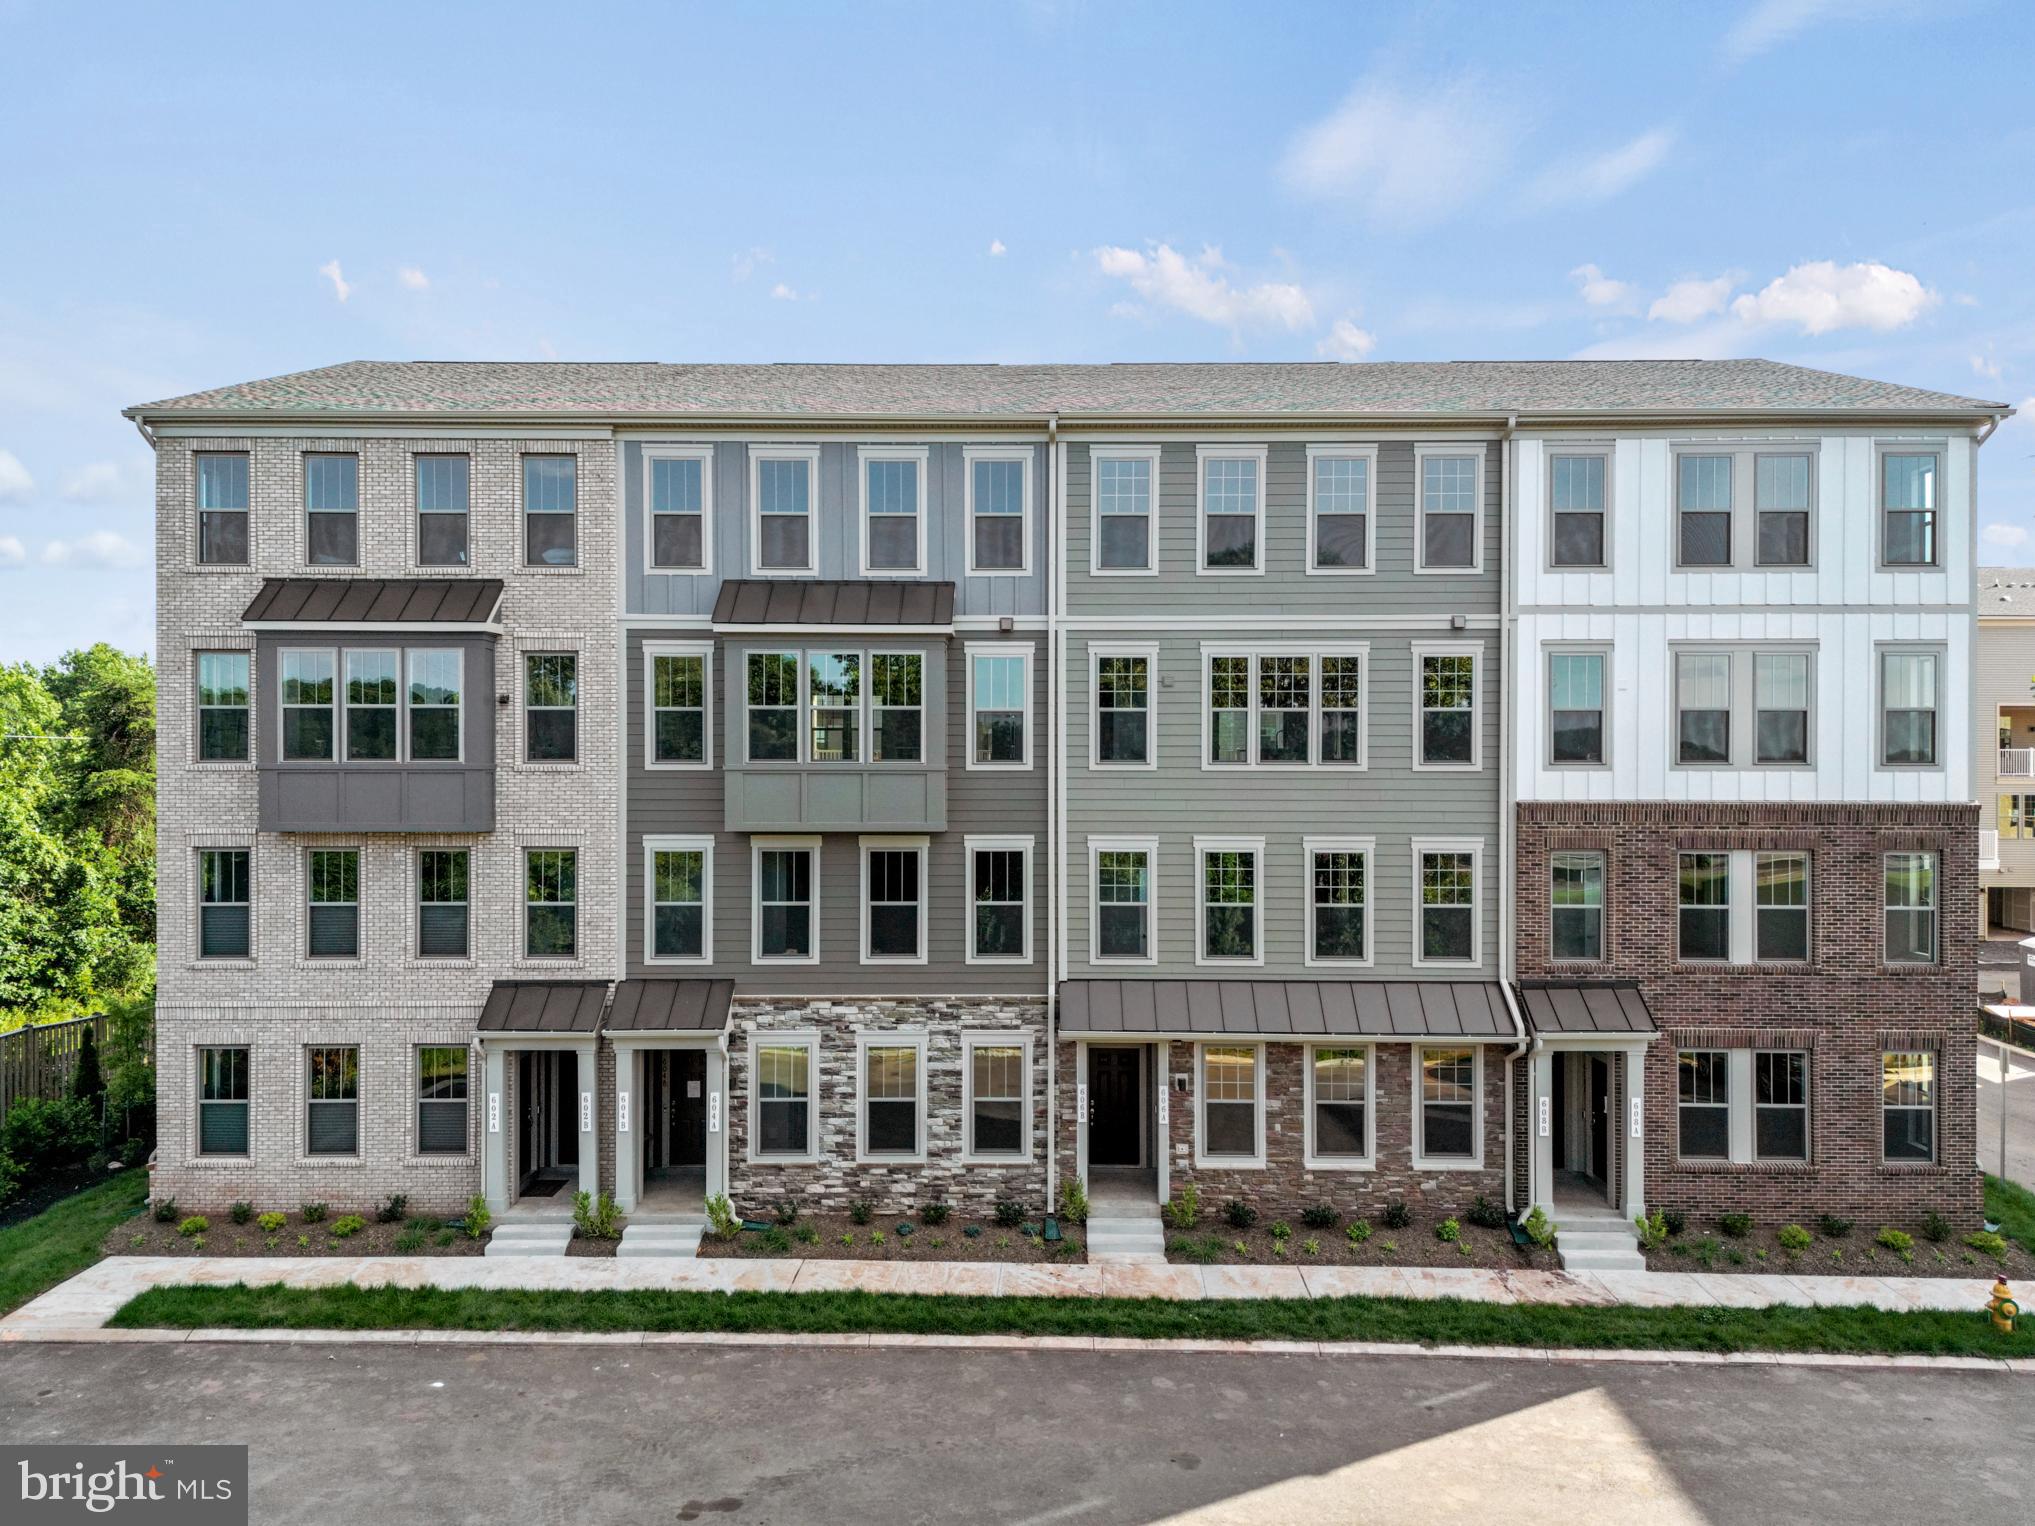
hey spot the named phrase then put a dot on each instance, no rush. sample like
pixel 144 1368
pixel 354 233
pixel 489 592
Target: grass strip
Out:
pixel 2013 1207
pixel 1422 1321
pixel 62 1240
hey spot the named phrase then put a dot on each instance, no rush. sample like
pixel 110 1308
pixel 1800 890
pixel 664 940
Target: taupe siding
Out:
pixel 2004 679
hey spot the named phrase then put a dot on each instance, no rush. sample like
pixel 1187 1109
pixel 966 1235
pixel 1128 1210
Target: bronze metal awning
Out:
pixel 544 1006
pixel 1585 1007
pixel 1389 1009
pixel 374 601
pixel 670 1006
pixel 822 601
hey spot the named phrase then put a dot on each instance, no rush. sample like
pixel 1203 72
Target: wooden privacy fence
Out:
pixel 39 1060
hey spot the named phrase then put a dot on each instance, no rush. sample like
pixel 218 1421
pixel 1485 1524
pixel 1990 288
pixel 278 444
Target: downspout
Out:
pixel 1507 796
pixel 1055 818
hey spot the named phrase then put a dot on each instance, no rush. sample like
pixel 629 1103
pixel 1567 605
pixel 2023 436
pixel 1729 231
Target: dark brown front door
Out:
pixel 1600 1119
pixel 1115 1105
pixel 689 1107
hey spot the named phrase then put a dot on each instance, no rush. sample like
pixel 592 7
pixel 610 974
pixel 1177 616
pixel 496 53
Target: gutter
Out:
pixel 1507 639
pixel 1056 812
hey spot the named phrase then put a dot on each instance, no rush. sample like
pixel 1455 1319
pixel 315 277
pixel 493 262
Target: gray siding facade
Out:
pixel 2003 750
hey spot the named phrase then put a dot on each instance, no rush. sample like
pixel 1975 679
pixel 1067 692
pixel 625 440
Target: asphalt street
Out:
pixel 501 1434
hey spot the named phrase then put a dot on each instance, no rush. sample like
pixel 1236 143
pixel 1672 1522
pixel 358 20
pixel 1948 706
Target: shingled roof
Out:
pixel 2007 592
pixel 1375 389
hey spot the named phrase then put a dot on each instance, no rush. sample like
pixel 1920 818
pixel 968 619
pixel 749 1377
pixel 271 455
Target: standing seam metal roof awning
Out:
pixel 1285 1008
pixel 376 601
pixel 1576 1007
pixel 818 601
pixel 544 1006
pixel 670 1006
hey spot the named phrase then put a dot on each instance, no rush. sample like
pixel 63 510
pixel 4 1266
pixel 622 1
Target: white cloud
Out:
pixel 1823 295
pixel 1599 290
pixel 16 486
pixel 1984 365
pixel 1405 156
pixel 1345 341
pixel 12 552
pixel 744 264
pixel 1686 301
pixel 2004 535
pixel 340 289
pixel 1599 177
pixel 413 278
pixel 98 482
pixel 96 548
pixel 1199 288
pixel 996 247
pixel 1772 22
pixel 784 293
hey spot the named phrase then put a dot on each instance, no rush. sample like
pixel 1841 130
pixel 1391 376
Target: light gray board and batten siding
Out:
pixel 1285 587
pixel 1389 800
pixel 836 528
pixel 986 803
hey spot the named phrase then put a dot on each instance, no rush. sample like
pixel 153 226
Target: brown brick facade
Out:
pixel 1843 1007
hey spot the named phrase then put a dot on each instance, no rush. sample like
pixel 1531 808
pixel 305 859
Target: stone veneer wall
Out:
pixel 837 1179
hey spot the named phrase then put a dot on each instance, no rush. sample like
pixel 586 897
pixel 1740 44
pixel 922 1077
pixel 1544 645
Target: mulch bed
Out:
pixel 818 1237
pixel 143 1236
pixel 1707 1249
pixel 51 1190
pixel 1214 1243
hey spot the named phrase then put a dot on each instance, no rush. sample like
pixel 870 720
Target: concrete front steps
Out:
pixel 669 1241
pixel 1596 1240
pixel 1120 1232
pixel 530 1237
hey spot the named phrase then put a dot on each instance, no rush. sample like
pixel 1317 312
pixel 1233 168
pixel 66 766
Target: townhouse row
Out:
pixel 1545 782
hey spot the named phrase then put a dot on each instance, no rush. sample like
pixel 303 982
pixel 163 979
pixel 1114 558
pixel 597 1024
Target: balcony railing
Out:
pixel 2017 762
pixel 1989 850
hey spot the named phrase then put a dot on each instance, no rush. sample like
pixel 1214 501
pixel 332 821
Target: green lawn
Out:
pixel 2014 1208
pixel 38 1253
pixel 1439 1321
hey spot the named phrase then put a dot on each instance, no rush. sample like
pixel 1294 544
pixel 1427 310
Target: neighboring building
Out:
pixel 984 776
pixel 2003 748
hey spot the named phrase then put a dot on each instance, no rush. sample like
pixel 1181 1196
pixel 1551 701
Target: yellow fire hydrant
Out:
pixel 2002 1307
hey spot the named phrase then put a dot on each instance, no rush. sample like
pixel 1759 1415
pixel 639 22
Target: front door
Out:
pixel 1115 1107
pixel 1600 1119
pixel 688 1133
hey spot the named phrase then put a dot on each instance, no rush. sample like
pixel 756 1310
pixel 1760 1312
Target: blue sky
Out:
pixel 1842 183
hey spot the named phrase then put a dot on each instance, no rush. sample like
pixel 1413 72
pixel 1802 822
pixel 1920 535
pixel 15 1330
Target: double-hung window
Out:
pixel 1230 903
pixel 1780 1113
pixel 1743 707
pixel 1908 700
pixel 1910 903
pixel 1123 709
pixel 441 1099
pixel 680 875
pixel 442 903
pixel 332 510
pixel 1447 704
pixel 1123 901
pixel 332 922
pixel 893 901
pixel 1447 1082
pixel 550 511
pixel 896 707
pixel 1908 503
pixel 681 503
pixel 1229 709
pixel 1702 707
pixel 443 492
pixel 223 904
pixel 1908 1105
pixel 222 1101
pixel 305 680
pixel 1578 500
pixel 371 708
pixel 223 679
pixel 332 1100
pixel 1781 908
pixel 997 1069
pixel 1285 696
pixel 781 486
pixel 1232 485
pixel 1575 708
pixel 1703 510
pixel 1450 515
pixel 1703 1104
pixel 999 491
pixel 834 687
pixel 773 700
pixel 550 707
pixel 1338 900
pixel 999 707
pixel 678 707
pixel 787 901
pixel 1268 709
pixel 1780 707
pixel 222 509
pixel 1339 507
pixel 1338 1105
pixel 893 510
pixel 1780 495
pixel 782 1070
pixel 999 885
pixel 1126 511
pixel 1704 919
pixel 1576 906
pixel 893 1099
pixel 1342 709
pixel 550 903
pixel 1232 1098
pixel 1447 897
pixel 1742 906
pixel 436 680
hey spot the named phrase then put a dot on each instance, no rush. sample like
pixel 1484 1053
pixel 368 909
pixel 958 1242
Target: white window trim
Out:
pixel 1603 858
pixel 195 539
pixel 523 512
pixel 283 707
pixel 891 1038
pixel 1148 453
pixel 305 1102
pixel 1256 1160
pixel 1367 453
pixel 305 958
pixel 1203 454
pixel 1315 651
pixel 676 843
pixel 801 720
pixel 205 845
pixel 304 511
pixel 1887 961
pixel 1097 846
pixel 758 454
pixel 1024 651
pixel 704 454
pixel 1475 651
pixel 1368 846
pixel 1475 1160
pixel 1741 908
pixel 1806 1107
pixel 538 647
pixel 1934 1110
pixel 970 454
pixel 1474 846
pixel 921 846
pixel 807 1039
pixel 417 513
pixel 971 1040
pixel 418 957
pixel 1738 1107
pixel 969 847
pixel 523 954
pixel 757 847
pixel 704 650
pixel 1368 1161
pixel 1420 455
pixel 916 456
pixel 1255 846
pixel 1097 650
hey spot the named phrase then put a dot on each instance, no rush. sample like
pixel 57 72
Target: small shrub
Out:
pixel 196 1224
pixel 1794 1239
pixel 805 1234
pixel 313 1212
pixel 1653 1230
pixel 1389 1247
pixel 847 1238
pixel 1359 1231
pixel 1074 1202
pixel 932 1215
pixel 1831 1227
pixel 1239 1247
pixel 1935 1228
pixel 1184 1212
pixel 1706 1250
pixel 410 1241
pixel 1281 1231
pixel 165 1210
pixel 271 1222
pixel 721 1215
pixel 787 1211
pixel 1486 1214
pixel 1991 1244
pixel 269 1243
pixel 595 1218
pixel 44 1136
pixel 477 1216
pixel 241 1213
pixel 776 1241
pixel 10 1179
pixel 1204 1251
pixel 1238 1214
pixel 1540 1229
pixel 445 1237
pixel 347 1225
pixel 394 1210
pixel 1900 1242
pixel 303 1242
pixel 1397 1215
pixel 1448 1231
pixel 1320 1216
pixel 1312 1247
pixel 1736 1225
pixel 861 1211
pixel 1010 1212
pixel 1677 1222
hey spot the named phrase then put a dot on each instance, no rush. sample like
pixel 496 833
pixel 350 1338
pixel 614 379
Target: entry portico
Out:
pixel 671 1066
pixel 539 1044
pixel 1586 1094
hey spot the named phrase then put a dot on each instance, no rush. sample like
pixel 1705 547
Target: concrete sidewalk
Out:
pixel 88 1300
